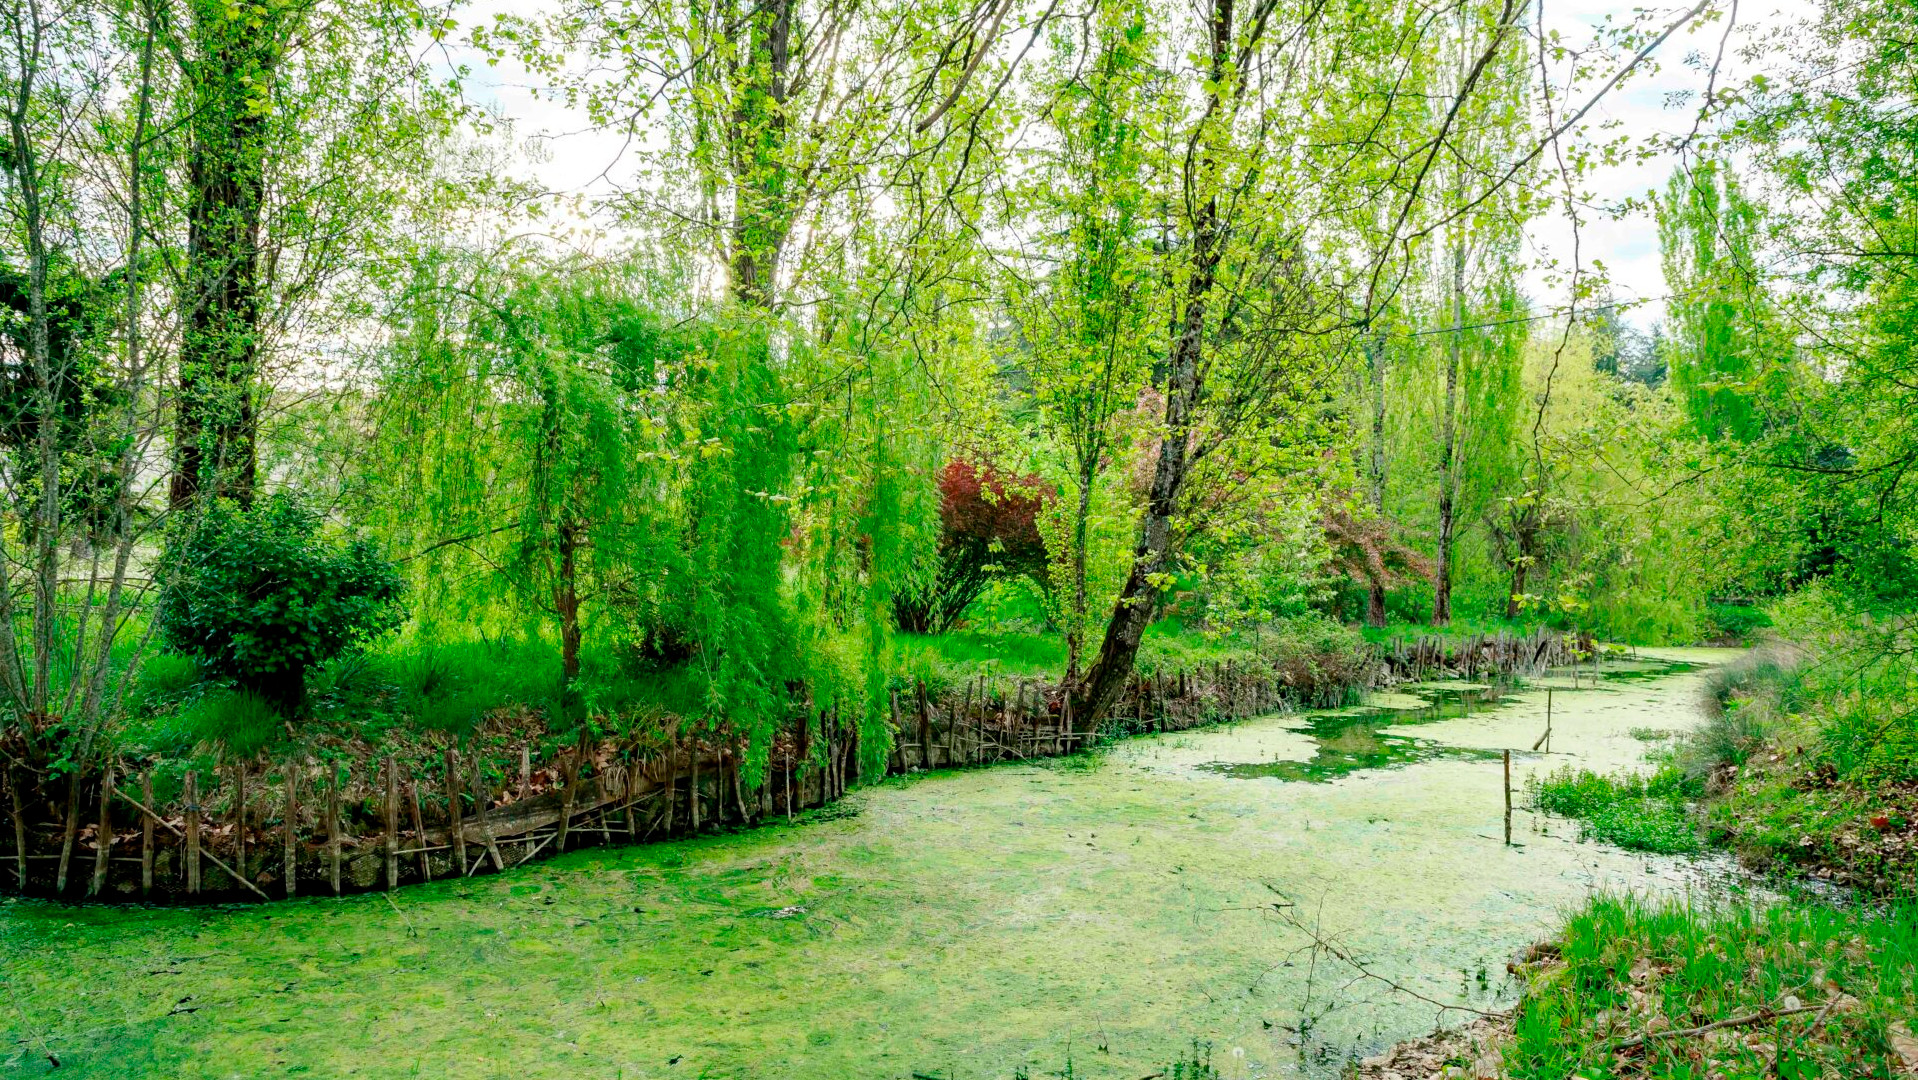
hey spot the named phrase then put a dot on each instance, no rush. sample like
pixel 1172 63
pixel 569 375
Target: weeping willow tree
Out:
pixel 673 497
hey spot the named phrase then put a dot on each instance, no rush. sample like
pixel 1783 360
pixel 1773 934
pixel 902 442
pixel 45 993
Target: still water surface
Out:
pixel 1105 911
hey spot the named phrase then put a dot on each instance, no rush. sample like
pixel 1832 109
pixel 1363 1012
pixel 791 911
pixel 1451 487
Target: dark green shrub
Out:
pixel 1735 623
pixel 260 597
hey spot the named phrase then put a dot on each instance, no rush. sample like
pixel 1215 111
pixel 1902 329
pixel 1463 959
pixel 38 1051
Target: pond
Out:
pixel 1100 913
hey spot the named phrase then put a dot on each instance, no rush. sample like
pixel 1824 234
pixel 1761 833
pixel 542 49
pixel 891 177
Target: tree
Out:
pixel 1483 231
pixel 1708 231
pixel 1085 326
pixel 988 526
pixel 260 598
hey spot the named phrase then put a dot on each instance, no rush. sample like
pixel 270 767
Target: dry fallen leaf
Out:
pixel 1902 1044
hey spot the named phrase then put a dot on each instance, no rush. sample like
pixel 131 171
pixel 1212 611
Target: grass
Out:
pixel 1805 989
pixel 1313 651
pixel 1811 753
pixel 1638 813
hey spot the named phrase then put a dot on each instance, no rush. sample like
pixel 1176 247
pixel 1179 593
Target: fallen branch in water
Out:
pixel 1338 952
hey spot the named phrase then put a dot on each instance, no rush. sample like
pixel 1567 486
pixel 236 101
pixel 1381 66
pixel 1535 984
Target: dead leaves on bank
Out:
pixel 1898 1034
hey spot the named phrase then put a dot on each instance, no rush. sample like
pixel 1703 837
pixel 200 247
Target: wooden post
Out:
pixel 792 773
pixel 192 833
pixel 898 760
pixel 419 829
pixel 239 817
pixel 103 839
pixel 292 829
pixel 1508 798
pixel 333 832
pixel 392 824
pixel 925 724
pixel 672 779
pixel 70 831
pixel 1545 740
pixel 566 797
pixel 692 794
pixel 455 817
pixel 481 796
pixel 630 795
pixel 739 788
pixel 952 725
pixel 830 722
pixel 146 836
pixel 20 829
pixel 525 771
pixel 1018 719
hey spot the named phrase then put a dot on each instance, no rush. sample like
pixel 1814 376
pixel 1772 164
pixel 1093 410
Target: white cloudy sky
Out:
pixel 569 159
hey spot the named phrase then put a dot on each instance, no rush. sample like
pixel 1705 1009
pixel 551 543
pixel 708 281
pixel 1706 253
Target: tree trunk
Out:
pixel 762 205
pixel 1075 632
pixel 1375 465
pixel 1092 698
pixel 566 603
pixel 216 419
pixel 1448 448
pixel 1518 589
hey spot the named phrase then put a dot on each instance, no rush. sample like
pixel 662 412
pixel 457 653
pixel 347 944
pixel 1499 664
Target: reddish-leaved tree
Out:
pixel 988 525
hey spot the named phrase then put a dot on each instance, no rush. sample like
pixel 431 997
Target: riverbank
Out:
pixel 375 792
pixel 1804 768
pixel 1104 909
pixel 370 801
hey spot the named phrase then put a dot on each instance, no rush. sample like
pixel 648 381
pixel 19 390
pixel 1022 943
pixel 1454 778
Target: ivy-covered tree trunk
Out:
pixel 566 604
pixel 762 206
pixel 216 419
pixel 1075 636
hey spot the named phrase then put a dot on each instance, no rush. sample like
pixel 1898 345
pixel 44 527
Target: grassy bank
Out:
pixel 1658 990
pixel 1806 766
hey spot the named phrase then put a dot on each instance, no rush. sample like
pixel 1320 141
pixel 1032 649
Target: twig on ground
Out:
pixel 1758 1017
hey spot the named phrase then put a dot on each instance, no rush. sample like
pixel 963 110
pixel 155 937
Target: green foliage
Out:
pixel 1639 813
pixel 1738 624
pixel 239 722
pixel 261 596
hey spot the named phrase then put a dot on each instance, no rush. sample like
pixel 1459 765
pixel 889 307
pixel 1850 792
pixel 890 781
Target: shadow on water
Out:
pixel 1369 736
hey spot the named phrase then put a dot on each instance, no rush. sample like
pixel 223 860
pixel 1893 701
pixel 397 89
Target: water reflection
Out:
pixel 1371 736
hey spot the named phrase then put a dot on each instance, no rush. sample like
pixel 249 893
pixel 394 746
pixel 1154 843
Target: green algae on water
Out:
pixel 978 924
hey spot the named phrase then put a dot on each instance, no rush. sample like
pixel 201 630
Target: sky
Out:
pixel 1662 103
pixel 569 158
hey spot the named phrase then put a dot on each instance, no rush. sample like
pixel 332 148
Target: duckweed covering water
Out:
pixel 977 924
